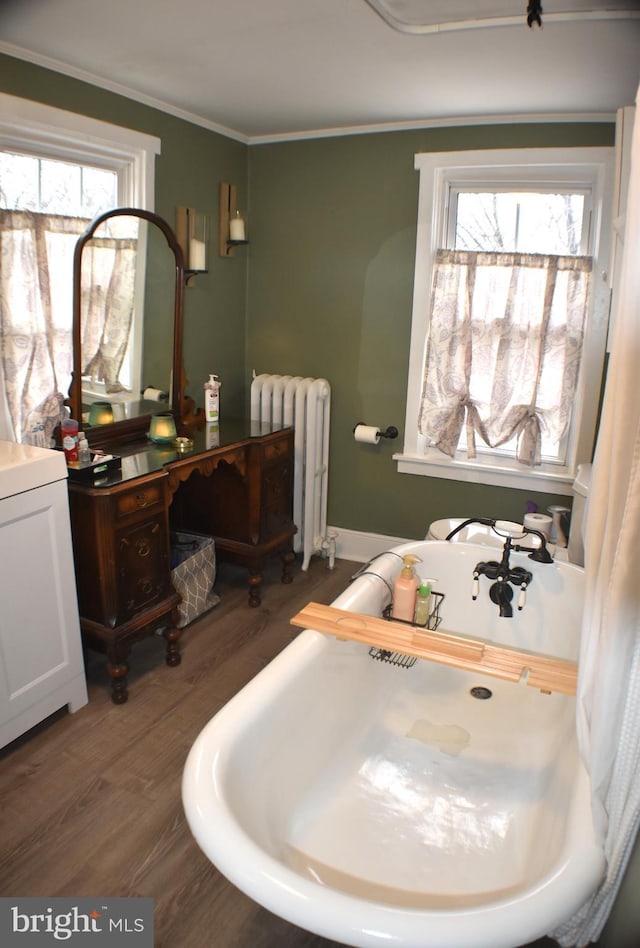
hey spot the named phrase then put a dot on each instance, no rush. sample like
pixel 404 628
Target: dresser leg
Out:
pixel 118 674
pixel 288 559
pixel 255 582
pixel 172 638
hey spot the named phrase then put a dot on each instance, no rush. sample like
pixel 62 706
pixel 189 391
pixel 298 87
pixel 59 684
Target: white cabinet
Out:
pixel 41 664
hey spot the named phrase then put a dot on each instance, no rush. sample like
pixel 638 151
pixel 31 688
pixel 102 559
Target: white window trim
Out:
pixel 42 130
pixel 567 166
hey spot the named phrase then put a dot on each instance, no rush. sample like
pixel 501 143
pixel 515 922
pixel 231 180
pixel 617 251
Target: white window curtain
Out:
pixel 108 285
pixel 36 308
pixel 503 350
pixel 36 266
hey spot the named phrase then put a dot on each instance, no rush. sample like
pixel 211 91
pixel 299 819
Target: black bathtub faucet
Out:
pixel 504 575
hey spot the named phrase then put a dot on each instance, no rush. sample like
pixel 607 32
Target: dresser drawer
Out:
pixel 142 565
pixel 142 498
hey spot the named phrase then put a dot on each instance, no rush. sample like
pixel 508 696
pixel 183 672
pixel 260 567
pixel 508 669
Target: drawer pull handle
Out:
pixel 143 548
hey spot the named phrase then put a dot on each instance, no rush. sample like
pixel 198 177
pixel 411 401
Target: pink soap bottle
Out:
pixel 405 590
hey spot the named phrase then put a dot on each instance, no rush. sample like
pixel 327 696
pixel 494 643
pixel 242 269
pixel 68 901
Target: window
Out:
pixel 509 316
pixel 49 186
pixel 503 221
pixel 57 171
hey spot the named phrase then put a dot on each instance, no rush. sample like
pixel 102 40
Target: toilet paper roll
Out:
pixel 538 521
pixel 155 395
pixel 366 434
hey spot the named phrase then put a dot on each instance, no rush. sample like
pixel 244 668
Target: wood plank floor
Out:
pixel 90 803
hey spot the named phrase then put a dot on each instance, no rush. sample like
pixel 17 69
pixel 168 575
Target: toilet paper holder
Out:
pixel 391 431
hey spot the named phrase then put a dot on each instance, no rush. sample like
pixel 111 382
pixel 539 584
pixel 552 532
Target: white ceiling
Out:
pixel 266 69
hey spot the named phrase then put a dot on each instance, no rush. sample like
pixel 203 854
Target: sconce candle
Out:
pixel 236 227
pixel 192 235
pixel 101 413
pixel 162 428
pixel 197 255
pixel 232 227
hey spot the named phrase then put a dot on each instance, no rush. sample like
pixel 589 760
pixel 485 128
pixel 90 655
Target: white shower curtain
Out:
pixel 609 678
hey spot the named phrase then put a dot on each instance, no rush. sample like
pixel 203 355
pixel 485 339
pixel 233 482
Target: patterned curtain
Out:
pixel 36 290
pixel 36 309
pixel 504 348
pixel 108 296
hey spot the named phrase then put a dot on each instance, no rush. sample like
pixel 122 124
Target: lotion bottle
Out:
pixel 405 589
pixel 212 399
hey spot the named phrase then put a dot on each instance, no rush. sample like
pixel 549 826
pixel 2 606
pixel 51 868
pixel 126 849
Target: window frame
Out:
pixel 47 132
pixel 440 172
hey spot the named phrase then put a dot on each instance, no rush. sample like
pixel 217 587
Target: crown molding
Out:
pixel 18 52
pixel 83 75
pixel 467 121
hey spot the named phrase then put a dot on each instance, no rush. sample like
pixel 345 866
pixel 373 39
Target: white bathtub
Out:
pixel 377 805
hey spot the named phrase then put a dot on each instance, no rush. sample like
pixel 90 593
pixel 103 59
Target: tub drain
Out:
pixel 481 693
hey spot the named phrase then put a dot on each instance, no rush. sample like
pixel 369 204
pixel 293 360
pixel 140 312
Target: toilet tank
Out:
pixel 578 510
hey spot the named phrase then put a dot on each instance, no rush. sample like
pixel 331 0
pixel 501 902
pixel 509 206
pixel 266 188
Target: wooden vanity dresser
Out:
pixel 235 485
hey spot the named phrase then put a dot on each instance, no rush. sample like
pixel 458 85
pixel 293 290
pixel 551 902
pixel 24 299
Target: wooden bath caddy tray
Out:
pixel 539 671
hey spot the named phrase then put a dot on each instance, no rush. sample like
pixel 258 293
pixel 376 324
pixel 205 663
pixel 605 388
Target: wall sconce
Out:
pixel 232 224
pixel 191 234
pixel 100 413
pixel 162 428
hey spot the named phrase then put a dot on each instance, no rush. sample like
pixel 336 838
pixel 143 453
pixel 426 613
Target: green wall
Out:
pixel 325 286
pixel 333 228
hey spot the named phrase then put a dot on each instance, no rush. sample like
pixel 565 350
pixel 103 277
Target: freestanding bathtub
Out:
pixel 379 805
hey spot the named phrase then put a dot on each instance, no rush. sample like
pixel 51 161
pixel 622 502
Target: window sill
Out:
pixel 544 479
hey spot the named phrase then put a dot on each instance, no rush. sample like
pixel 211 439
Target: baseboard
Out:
pixel 361 547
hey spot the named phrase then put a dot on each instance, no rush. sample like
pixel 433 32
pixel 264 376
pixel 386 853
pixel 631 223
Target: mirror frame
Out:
pixel 131 428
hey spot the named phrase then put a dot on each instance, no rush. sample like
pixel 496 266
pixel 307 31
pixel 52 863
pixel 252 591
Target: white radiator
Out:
pixel 305 404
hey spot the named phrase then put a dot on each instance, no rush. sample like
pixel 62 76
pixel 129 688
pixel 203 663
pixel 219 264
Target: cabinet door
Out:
pixel 142 565
pixel 40 648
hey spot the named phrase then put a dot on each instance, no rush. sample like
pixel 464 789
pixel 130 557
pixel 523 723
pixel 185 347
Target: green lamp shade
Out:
pixel 162 428
pixel 100 413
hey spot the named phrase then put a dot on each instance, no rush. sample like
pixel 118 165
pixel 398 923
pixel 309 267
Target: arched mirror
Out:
pixel 128 295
